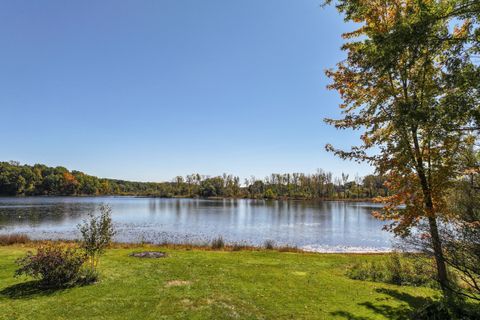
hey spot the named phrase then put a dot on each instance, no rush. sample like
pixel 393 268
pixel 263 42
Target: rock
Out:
pixel 149 254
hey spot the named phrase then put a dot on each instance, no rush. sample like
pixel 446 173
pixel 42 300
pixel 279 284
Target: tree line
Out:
pixel 39 179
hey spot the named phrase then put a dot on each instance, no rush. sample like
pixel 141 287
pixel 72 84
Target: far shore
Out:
pixel 192 198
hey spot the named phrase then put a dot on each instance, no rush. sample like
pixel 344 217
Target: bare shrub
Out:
pixel 97 233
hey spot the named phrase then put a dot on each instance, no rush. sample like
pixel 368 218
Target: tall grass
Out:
pixel 269 244
pixel 396 268
pixel 218 243
pixel 14 238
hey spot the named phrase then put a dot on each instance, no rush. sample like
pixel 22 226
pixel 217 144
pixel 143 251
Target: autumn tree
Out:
pixel 399 86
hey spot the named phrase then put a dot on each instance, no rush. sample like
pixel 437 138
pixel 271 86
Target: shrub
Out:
pixel 238 247
pixel 288 248
pixel 218 243
pixel 87 276
pixel 433 310
pixel 372 271
pixel 53 265
pixel 453 309
pixel 269 244
pixel 15 238
pixel 396 269
pixel 97 233
pixel 269 194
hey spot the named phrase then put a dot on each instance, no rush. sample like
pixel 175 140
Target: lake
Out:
pixel 328 226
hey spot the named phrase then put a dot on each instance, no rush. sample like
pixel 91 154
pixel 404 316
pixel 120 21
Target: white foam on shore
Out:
pixel 345 249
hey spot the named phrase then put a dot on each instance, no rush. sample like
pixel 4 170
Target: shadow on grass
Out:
pixel 401 312
pixel 27 290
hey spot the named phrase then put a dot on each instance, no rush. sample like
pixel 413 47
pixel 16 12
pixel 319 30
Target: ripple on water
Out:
pixel 321 227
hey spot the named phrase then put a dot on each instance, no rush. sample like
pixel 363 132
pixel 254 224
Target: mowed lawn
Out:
pixel 198 284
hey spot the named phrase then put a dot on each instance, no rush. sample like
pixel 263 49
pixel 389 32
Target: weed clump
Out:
pixel 269 244
pixel 218 243
pixel 14 238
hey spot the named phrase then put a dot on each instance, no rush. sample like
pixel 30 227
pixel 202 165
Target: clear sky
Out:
pixel 147 90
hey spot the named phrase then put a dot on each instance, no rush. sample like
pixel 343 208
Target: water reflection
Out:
pixel 331 225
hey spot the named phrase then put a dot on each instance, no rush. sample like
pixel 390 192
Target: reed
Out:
pixel 14 238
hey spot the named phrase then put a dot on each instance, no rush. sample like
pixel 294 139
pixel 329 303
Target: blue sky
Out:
pixel 147 90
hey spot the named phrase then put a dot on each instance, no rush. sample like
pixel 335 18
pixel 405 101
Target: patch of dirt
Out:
pixel 149 254
pixel 186 302
pixel 178 283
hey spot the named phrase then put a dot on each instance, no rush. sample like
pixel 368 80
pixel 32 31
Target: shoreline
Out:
pixel 25 240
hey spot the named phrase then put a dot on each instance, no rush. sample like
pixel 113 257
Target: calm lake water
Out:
pixel 318 226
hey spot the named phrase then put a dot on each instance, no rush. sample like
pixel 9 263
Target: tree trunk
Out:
pixel 438 253
pixel 435 237
pixel 432 218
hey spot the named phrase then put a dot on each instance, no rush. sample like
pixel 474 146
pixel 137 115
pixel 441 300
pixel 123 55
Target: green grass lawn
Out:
pixel 197 284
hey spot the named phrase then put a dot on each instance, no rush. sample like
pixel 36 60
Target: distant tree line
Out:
pixel 39 179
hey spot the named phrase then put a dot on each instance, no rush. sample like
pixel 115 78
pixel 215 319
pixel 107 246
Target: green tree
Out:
pixel 269 194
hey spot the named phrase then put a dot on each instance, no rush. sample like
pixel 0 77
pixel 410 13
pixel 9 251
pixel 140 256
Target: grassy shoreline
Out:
pixel 24 240
pixel 201 283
